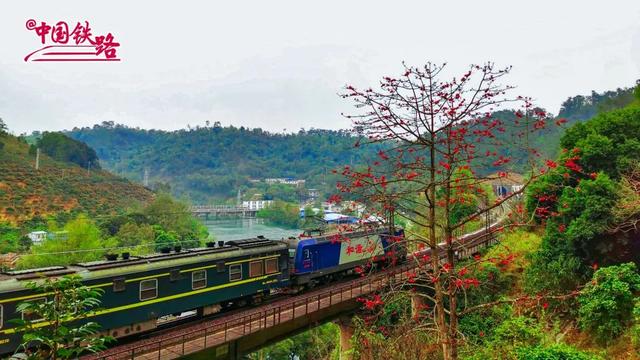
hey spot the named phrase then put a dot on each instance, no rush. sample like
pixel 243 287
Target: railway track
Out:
pixel 215 330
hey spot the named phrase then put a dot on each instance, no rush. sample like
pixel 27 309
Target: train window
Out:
pixel 119 285
pixel 255 268
pixel 235 272
pixel 148 289
pixel 220 266
pixel 271 266
pixel 174 275
pixel 32 316
pixel 198 279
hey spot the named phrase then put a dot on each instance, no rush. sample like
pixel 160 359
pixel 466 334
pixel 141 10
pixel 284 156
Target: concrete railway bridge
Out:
pixel 228 337
pixel 217 211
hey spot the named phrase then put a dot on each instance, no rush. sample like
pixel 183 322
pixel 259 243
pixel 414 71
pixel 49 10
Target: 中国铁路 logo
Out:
pixel 62 42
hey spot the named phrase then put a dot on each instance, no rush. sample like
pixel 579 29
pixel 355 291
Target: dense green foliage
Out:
pixel 164 222
pixel 70 301
pixel 582 107
pixel 212 163
pixel 317 343
pixel 635 329
pixel 554 352
pixel 283 192
pixel 607 302
pixel 79 240
pixel 63 148
pixel 609 142
pixel 578 198
pixel 281 213
pixel 174 217
pixel 573 240
pixel 12 239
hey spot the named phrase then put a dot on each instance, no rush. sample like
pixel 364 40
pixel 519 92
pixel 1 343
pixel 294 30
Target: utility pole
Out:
pixel 145 180
pixel 37 159
pixel 239 200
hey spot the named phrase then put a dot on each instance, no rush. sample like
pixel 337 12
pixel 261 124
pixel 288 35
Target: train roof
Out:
pixel 11 280
pixel 331 236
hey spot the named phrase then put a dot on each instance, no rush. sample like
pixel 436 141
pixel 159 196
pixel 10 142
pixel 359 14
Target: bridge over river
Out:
pixel 217 211
pixel 229 336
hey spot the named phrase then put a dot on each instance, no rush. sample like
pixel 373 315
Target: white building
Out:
pixel 314 194
pixel 328 207
pixel 287 181
pixel 37 237
pixel 256 204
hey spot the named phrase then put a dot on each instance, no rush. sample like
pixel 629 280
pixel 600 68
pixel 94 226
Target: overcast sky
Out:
pixel 279 64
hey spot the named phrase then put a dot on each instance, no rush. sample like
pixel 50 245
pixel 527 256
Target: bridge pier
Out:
pixel 346 333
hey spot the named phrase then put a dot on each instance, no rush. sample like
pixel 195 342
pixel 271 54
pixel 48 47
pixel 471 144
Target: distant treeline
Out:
pixel 212 163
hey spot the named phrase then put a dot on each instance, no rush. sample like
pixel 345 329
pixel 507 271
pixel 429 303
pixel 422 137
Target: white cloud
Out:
pixel 280 64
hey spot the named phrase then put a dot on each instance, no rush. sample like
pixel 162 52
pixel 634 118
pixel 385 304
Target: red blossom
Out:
pixel 334 199
pixel 561 121
pixel 571 164
pixel 471 282
pixel 412 175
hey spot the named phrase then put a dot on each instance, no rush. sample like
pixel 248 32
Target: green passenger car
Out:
pixel 141 291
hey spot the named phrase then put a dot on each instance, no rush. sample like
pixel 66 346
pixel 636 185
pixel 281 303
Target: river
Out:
pixel 235 229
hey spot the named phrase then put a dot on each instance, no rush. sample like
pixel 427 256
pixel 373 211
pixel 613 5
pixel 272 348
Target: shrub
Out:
pixel 479 327
pixel 606 303
pixel 520 330
pixel 554 352
pixel 635 330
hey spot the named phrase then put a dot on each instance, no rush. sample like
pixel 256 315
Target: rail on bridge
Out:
pixel 230 336
pixel 222 211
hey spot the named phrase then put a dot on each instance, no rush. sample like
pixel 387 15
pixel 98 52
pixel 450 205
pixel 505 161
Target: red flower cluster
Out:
pixel 572 165
pixel 371 304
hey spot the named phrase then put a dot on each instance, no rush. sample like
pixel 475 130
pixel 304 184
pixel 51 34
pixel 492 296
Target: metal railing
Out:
pixel 220 331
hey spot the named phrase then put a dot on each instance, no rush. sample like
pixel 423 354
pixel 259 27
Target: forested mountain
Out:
pixel 58 187
pixel 208 164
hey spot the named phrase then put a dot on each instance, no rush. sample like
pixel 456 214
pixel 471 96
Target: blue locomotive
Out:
pixel 141 292
pixel 325 258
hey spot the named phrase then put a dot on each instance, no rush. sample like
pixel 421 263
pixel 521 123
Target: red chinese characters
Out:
pixel 78 44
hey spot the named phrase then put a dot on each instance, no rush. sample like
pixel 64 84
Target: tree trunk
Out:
pixel 448 235
pixel 435 255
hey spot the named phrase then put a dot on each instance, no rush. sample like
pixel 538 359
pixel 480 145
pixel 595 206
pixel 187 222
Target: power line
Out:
pixel 109 248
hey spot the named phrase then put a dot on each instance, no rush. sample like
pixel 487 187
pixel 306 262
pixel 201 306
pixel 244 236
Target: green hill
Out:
pixel 212 163
pixel 58 186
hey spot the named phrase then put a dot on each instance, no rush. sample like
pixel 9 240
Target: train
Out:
pixel 140 293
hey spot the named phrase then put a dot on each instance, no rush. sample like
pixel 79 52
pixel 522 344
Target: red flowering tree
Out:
pixel 443 146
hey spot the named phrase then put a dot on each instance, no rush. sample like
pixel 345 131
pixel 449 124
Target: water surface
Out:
pixel 235 229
